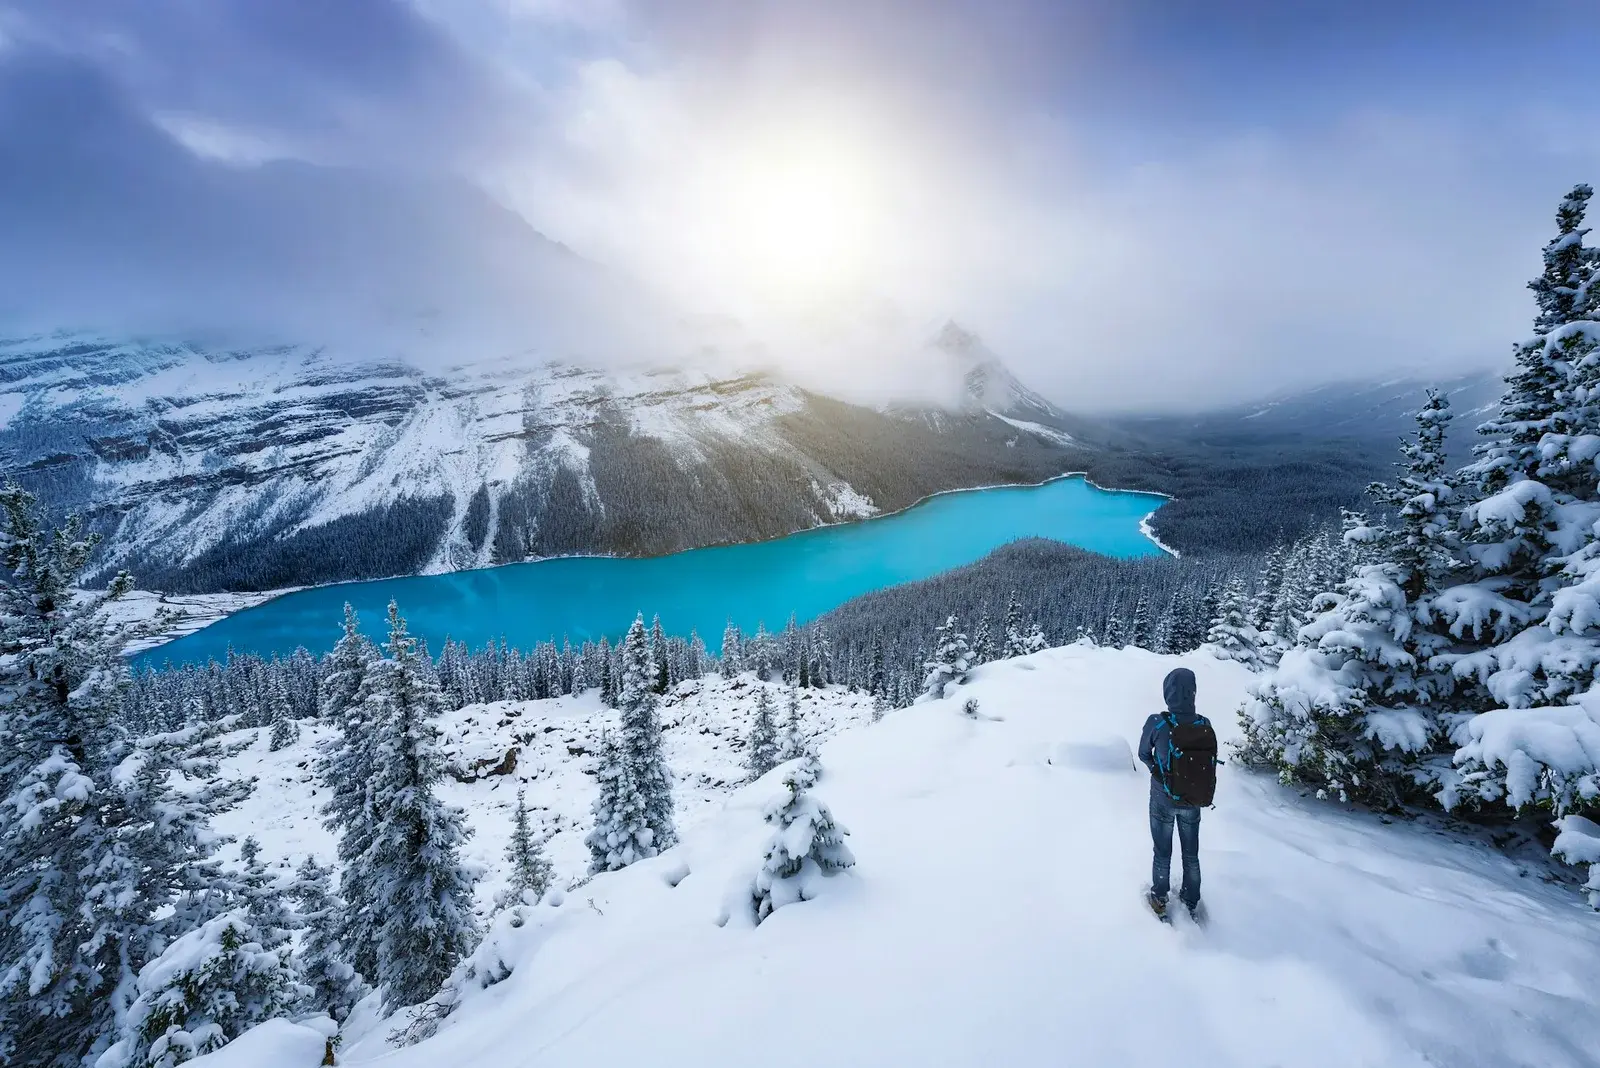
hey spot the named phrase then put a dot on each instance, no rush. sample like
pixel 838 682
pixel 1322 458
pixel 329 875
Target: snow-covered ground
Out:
pixel 158 618
pixel 995 913
pixel 705 723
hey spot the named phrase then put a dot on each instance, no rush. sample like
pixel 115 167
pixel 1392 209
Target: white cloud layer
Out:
pixel 838 178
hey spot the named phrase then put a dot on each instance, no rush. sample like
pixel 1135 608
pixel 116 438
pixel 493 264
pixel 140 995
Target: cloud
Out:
pixel 356 82
pixel 1132 206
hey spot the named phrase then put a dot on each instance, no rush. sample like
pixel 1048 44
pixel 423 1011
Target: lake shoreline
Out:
pixel 146 645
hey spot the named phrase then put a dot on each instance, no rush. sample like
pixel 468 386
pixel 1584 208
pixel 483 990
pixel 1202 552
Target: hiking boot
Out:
pixel 1158 905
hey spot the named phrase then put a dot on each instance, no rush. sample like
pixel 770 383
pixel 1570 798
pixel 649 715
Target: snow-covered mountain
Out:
pixel 212 467
pixel 994 914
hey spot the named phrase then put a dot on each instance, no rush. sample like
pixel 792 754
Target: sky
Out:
pixel 1136 204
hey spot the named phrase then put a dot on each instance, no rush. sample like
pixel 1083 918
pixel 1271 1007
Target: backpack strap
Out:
pixel 1163 753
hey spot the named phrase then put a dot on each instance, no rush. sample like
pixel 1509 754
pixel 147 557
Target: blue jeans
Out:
pixel 1163 813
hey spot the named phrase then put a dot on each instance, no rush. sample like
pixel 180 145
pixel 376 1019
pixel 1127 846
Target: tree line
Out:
pixel 1453 664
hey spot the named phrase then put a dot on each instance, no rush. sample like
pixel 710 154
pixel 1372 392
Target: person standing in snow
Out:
pixel 1180 749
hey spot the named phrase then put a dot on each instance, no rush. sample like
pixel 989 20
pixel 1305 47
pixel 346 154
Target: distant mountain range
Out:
pixel 1363 411
pixel 213 468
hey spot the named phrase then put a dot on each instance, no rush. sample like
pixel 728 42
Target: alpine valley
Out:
pixel 210 468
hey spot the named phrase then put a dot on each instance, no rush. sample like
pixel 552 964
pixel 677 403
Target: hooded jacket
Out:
pixel 1178 691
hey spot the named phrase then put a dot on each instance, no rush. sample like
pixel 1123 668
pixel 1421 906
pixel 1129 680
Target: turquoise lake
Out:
pixel 803 574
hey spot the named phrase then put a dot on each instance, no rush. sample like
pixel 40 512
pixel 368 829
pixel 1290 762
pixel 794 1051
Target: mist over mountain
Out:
pixel 113 224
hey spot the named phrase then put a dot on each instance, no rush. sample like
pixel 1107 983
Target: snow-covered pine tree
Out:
pixel 1016 636
pixel 529 870
pixel 1035 640
pixel 419 892
pixel 1113 634
pixel 793 745
pixel 1529 597
pixel 877 681
pixel 806 845
pixel 604 673
pixel 105 849
pixel 821 649
pixel 1140 627
pixel 640 737
pixel 346 769
pixel 1231 636
pixel 1268 584
pixel 659 670
pixel 621 832
pixel 732 651
pixel 982 642
pixel 333 983
pixel 763 742
pixel 344 668
pixel 265 902
pixel 1354 708
pixel 950 661
pixel 698 658
pixel 285 729
pixel 1162 635
pixel 204 990
pixel 880 705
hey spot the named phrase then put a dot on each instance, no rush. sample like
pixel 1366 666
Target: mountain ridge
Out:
pixel 230 468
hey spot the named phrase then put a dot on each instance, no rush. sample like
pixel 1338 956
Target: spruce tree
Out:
pixel 265 903
pixel 1268 586
pixel 1526 605
pixel 982 643
pixel 345 667
pixel 660 673
pixel 529 870
pixel 332 981
pixel 732 654
pixel 806 846
pixel 758 653
pixel 1016 636
pixel 604 673
pixel 1140 627
pixel 621 832
pixel 206 989
pixel 419 892
pixel 793 746
pixel 346 769
pixel 1231 636
pixel 950 661
pixel 763 742
pixel 285 731
pixel 640 737
pixel 1035 640
pixel 105 848
pixel 1354 707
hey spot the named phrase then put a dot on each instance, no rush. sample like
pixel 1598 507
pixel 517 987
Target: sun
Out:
pixel 798 216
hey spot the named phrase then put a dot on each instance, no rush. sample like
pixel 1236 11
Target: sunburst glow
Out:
pixel 796 215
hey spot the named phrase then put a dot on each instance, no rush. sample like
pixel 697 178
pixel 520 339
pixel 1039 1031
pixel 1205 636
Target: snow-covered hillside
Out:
pixel 550 745
pixel 995 914
pixel 258 468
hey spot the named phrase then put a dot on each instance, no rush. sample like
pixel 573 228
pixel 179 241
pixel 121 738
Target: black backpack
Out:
pixel 1187 762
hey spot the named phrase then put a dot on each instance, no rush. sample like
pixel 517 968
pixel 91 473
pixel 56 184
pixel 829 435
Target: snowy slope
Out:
pixel 994 916
pixel 705 723
pixel 190 457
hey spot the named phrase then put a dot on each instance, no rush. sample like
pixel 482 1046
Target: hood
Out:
pixel 1178 691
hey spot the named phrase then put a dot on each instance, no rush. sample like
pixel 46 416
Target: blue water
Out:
pixel 804 574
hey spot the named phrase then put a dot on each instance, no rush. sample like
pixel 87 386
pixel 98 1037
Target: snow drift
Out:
pixel 994 915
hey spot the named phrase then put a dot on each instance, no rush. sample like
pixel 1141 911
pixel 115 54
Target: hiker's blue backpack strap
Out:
pixel 1162 749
